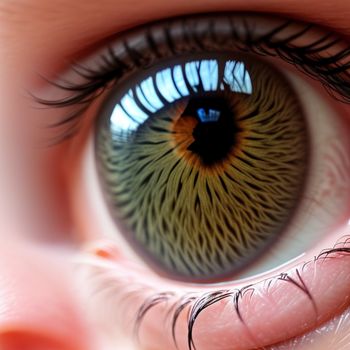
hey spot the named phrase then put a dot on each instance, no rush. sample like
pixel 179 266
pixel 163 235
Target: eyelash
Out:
pixel 312 59
pixel 196 302
pixel 201 303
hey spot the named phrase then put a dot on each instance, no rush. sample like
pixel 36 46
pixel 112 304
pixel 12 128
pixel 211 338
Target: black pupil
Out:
pixel 216 131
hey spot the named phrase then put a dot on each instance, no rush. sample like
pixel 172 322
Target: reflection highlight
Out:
pixel 173 84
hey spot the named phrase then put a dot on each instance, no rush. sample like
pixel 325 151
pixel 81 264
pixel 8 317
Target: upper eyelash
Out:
pixel 312 59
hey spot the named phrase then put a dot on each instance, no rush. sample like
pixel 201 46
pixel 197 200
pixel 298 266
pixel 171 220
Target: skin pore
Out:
pixel 42 301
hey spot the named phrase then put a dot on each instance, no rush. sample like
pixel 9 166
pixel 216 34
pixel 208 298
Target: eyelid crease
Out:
pixel 194 302
pixel 312 58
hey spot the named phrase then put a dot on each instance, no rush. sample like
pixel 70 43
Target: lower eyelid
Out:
pixel 265 313
pixel 333 334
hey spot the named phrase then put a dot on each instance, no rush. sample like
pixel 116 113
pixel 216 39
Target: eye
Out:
pixel 213 150
pixel 203 162
pixel 204 150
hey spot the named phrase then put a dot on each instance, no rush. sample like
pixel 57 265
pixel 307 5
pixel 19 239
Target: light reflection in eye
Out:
pixel 237 76
pixel 206 117
pixel 166 85
pixel 171 82
pixel 147 88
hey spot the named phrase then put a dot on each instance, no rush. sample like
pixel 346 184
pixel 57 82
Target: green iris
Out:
pixel 203 163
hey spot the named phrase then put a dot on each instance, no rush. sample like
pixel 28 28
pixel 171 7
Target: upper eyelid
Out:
pixel 195 300
pixel 114 66
pixel 96 81
pixel 95 38
pixel 107 67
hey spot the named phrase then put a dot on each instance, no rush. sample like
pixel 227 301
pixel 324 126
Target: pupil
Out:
pixel 215 133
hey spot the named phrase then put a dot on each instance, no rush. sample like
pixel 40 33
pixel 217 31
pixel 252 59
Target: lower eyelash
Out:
pixel 202 302
pixel 195 303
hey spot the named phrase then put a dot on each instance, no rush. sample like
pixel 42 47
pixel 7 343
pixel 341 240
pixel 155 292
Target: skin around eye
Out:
pixel 26 52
